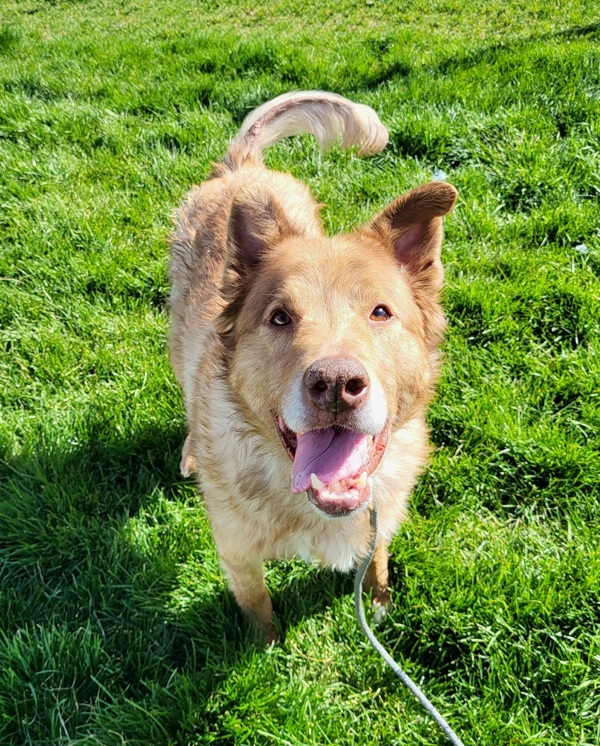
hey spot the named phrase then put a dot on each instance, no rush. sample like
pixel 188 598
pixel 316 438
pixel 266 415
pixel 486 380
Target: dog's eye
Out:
pixel 281 318
pixel 380 313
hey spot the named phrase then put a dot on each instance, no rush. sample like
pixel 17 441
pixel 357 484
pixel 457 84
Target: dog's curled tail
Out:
pixel 327 116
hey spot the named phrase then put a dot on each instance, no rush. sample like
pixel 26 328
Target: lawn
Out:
pixel 116 626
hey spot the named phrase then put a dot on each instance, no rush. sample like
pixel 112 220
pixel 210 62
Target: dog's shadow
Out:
pixel 113 530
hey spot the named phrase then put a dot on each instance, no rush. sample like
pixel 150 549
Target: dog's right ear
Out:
pixel 256 222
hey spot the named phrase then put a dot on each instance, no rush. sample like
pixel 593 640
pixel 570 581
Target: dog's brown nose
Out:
pixel 336 383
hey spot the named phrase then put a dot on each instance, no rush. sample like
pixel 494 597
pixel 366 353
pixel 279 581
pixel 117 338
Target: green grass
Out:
pixel 115 623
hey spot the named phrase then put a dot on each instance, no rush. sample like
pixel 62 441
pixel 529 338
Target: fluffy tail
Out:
pixel 327 116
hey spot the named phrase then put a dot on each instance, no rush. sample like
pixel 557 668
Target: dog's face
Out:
pixel 332 341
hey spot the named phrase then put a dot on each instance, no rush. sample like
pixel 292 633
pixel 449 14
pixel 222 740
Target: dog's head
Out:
pixel 332 342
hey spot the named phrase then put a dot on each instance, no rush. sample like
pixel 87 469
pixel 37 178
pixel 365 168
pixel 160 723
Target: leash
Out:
pixel 360 613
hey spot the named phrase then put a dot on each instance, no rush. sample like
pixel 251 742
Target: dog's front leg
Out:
pixel 246 581
pixel 377 578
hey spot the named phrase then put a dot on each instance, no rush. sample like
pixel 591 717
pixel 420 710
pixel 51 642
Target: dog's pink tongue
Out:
pixel 332 454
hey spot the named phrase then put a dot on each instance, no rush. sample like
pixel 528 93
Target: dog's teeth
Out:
pixel 362 481
pixel 316 482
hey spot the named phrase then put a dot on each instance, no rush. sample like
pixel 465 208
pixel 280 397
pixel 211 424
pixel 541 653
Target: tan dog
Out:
pixel 306 362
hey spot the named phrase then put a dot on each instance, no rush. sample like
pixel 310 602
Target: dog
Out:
pixel 306 361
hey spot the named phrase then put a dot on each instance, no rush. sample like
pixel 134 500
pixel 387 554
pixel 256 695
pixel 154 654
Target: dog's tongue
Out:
pixel 332 454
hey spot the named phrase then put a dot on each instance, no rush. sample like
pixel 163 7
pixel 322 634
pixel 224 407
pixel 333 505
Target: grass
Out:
pixel 116 625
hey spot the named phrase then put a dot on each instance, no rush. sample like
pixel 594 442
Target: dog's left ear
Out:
pixel 411 227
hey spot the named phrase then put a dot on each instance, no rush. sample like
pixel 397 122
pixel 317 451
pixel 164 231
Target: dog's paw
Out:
pixel 271 637
pixel 266 635
pixel 381 606
pixel 188 465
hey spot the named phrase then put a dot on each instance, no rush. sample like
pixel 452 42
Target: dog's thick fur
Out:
pixel 282 336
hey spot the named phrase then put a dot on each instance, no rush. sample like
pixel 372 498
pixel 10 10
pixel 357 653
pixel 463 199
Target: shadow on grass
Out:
pixel 109 580
pixel 490 53
pixel 109 531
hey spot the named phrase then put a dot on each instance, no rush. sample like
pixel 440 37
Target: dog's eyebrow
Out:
pixel 267 302
pixel 275 296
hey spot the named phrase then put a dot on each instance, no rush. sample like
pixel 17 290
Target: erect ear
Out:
pixel 411 227
pixel 256 222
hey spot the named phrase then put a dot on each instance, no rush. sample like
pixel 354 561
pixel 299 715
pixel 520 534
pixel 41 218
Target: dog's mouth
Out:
pixel 333 465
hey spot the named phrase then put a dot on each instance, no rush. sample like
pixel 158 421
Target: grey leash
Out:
pixel 360 613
